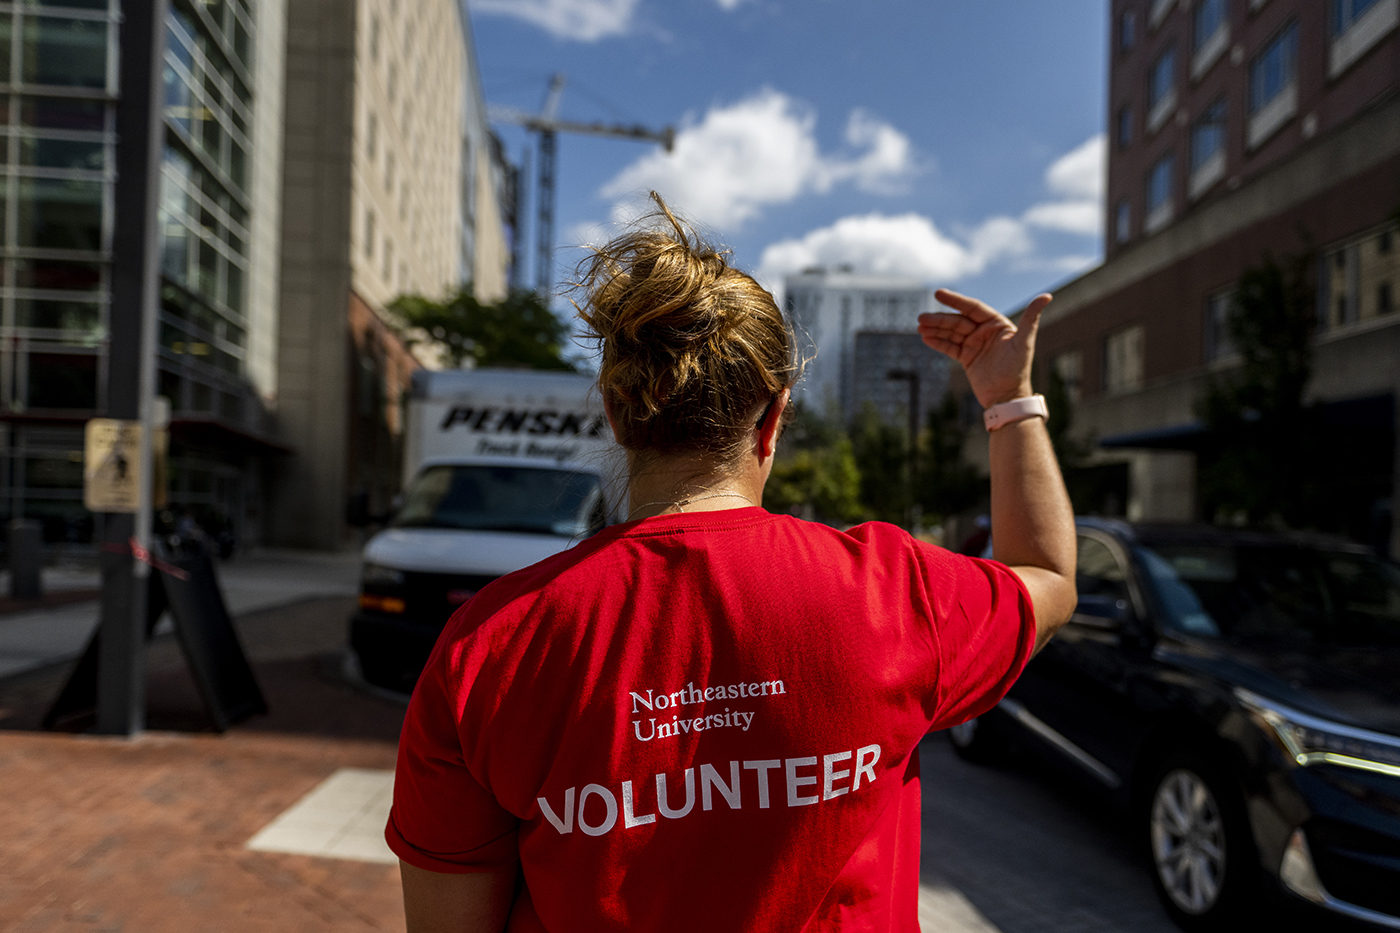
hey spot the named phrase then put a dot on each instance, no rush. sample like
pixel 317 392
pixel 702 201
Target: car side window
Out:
pixel 1101 579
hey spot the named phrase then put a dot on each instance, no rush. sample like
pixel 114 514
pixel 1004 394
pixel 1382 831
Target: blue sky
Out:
pixel 958 141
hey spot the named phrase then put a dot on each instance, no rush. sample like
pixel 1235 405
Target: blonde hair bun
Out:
pixel 692 348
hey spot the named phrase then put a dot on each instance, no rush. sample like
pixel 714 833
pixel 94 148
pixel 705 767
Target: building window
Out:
pixel 1209 16
pixel 1068 367
pixel 1208 149
pixel 1273 86
pixel 374 38
pixel 1357 25
pixel 369 234
pixel 1124 135
pixel 1127 30
pixel 1385 301
pixel 1159 194
pixel 371 136
pixel 1161 90
pixel 1122 221
pixel 1219 341
pixel 1122 360
pixel 1345 13
pixel 1211 29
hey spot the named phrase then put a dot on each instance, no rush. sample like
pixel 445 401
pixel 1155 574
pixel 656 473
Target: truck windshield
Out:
pixel 1298 596
pixel 504 498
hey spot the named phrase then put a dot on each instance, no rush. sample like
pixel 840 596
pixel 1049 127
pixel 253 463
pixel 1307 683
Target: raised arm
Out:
pixel 1032 520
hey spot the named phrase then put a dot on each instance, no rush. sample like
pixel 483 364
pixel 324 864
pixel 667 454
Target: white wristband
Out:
pixel 1015 410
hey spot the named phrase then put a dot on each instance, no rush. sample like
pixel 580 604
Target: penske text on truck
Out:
pixel 502 468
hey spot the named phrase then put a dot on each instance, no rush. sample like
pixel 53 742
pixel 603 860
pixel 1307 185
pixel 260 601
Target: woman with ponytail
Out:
pixel 707 717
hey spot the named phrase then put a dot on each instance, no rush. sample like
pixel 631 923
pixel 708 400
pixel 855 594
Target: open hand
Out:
pixel 995 354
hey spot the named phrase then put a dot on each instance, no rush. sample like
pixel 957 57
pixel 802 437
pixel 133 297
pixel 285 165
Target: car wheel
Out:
pixel 1203 858
pixel 979 740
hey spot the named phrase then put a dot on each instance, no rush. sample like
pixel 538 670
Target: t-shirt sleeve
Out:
pixel 984 632
pixel 443 819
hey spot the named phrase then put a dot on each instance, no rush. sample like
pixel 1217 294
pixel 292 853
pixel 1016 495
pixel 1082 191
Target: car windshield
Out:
pixel 1292 595
pixel 504 498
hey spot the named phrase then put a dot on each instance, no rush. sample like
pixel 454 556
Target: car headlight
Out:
pixel 1309 740
pixel 379 575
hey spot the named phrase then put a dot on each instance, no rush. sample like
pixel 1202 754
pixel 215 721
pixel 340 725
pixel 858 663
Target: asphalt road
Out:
pixel 1021 849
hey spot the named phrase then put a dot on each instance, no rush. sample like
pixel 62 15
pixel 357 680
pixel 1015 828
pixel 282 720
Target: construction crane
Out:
pixel 546 124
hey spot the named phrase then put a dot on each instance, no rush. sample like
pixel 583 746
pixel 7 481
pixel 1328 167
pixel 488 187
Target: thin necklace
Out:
pixel 682 503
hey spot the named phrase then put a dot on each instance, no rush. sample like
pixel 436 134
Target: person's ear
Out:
pixel 772 425
pixel 608 411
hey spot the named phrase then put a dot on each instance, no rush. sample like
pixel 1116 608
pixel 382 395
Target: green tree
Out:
pixel 1262 439
pixel 517 331
pixel 947 485
pixel 882 457
pixel 815 469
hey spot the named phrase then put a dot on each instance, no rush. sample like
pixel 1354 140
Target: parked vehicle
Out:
pixel 503 468
pixel 1239 695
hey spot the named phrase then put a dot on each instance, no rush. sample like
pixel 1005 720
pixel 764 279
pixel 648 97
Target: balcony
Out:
pixel 1161 111
pixel 1210 51
pixel 1361 36
pixel 1206 175
pixel 1267 120
pixel 1160 9
pixel 1158 217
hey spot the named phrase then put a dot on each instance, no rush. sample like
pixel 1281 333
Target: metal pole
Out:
pixel 518 259
pixel 121 677
pixel 544 244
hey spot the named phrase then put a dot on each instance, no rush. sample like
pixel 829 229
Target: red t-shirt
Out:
pixel 704 721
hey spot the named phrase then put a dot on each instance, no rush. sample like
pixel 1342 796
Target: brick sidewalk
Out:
pixel 148 835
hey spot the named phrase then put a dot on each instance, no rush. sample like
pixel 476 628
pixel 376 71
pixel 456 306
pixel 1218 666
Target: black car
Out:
pixel 1239 695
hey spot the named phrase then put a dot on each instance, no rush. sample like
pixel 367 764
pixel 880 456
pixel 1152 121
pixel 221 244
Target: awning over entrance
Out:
pixel 219 433
pixel 1187 436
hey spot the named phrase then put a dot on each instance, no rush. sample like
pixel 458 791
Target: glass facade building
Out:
pixel 57 112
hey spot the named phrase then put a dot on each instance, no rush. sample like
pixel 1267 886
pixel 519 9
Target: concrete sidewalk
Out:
pixel 257 580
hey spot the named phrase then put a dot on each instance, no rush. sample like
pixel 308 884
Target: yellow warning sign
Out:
pixel 112 466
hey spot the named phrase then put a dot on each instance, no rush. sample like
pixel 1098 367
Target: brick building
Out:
pixel 1240 129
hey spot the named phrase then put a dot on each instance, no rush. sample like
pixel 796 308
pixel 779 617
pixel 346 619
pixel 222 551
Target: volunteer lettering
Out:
pixel 576 809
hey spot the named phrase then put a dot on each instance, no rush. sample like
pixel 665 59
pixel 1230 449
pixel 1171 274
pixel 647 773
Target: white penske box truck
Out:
pixel 502 469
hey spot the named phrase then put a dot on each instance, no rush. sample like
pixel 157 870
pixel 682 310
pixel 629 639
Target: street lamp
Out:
pixel 911 376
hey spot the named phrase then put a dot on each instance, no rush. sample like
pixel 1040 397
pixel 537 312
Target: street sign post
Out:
pixel 121 677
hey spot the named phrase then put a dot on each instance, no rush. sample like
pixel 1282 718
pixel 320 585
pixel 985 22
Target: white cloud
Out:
pixel 912 245
pixel 905 245
pixel 736 160
pixel 583 20
pixel 1077 178
pixel 729 4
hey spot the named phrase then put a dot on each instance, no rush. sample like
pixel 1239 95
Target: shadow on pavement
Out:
pixel 296 652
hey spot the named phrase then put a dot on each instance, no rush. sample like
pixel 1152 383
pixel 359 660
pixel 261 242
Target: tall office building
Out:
pixel 1241 129
pixel 853 330
pixel 385 142
pixel 219 241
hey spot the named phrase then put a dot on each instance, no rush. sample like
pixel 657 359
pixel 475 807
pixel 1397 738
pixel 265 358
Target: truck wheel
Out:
pixel 1205 868
pixel 979 740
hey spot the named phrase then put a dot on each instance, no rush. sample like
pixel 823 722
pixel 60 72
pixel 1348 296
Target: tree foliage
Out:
pixel 1262 438
pixel 947 485
pixel 815 473
pixel 517 331
pixel 882 456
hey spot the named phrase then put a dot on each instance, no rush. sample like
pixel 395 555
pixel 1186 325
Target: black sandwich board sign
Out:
pixel 186 585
